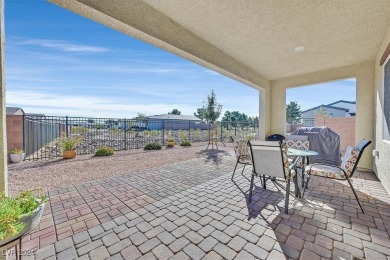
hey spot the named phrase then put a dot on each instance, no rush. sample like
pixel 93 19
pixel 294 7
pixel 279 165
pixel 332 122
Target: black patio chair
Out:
pixel 343 170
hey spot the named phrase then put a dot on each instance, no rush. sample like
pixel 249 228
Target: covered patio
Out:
pixel 193 210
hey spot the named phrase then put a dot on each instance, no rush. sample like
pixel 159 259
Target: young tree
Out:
pixel 211 109
pixel 227 116
pixel 140 117
pixel 200 113
pixel 175 112
pixel 322 111
pixel 293 112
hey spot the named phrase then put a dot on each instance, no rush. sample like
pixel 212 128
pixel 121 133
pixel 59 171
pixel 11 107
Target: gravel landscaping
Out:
pixel 58 173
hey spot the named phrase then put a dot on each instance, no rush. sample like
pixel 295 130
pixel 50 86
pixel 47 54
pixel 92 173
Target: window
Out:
pixel 386 102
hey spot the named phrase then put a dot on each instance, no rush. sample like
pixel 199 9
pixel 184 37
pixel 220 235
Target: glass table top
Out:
pixel 298 152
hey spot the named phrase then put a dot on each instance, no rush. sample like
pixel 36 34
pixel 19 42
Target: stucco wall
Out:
pixel 382 162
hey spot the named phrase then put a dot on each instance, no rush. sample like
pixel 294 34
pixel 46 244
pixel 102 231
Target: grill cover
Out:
pixel 322 140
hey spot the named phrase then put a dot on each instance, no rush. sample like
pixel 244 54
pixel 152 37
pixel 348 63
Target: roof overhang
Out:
pixel 251 41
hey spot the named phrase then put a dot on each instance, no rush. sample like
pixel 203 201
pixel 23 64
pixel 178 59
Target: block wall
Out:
pixel 344 126
pixel 14 132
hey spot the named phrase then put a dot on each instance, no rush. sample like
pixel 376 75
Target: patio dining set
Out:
pixel 286 158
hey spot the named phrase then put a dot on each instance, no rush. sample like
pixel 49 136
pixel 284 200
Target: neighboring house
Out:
pixel 14 111
pixel 339 108
pixel 35 116
pixel 174 122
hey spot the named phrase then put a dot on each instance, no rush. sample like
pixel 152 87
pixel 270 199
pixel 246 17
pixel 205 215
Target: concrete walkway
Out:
pixel 193 210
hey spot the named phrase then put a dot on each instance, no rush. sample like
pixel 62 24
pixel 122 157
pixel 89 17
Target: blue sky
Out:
pixel 59 63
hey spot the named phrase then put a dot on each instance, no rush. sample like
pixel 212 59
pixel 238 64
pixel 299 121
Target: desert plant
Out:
pixel 185 143
pixel 183 135
pixel 153 146
pixel 115 131
pixel 13 208
pixel 197 134
pixel 171 143
pixel 16 151
pixel 69 143
pixel 250 138
pixel 79 130
pixel 104 151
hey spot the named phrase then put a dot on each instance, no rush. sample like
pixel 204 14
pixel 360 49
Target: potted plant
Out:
pixel 171 143
pixel 68 146
pixel 16 155
pixel 19 215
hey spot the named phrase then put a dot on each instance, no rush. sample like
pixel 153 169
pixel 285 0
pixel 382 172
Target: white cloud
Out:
pixel 63 46
pixel 54 104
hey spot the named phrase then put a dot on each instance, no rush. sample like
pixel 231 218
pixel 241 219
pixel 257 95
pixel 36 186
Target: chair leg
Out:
pixel 243 170
pixel 297 192
pixel 354 193
pixel 251 187
pixel 307 182
pixel 303 169
pixel 287 197
pixel 235 169
pixel 264 186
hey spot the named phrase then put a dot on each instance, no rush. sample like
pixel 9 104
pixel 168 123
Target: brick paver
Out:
pixel 192 210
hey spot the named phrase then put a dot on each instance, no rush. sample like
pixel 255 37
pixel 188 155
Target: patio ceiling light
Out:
pixel 299 49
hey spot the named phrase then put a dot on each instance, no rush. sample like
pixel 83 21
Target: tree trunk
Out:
pixel 209 133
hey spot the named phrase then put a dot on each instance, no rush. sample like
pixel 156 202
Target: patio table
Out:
pixel 304 154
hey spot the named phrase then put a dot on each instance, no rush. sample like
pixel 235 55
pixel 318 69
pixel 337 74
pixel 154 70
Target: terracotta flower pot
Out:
pixel 171 144
pixel 69 154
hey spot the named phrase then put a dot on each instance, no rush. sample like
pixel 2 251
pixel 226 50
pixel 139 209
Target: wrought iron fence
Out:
pixel 41 133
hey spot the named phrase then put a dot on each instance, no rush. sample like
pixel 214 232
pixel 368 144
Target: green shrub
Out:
pixel 185 143
pixel 68 143
pixel 13 208
pixel 104 151
pixel 79 130
pixel 153 146
pixel 16 151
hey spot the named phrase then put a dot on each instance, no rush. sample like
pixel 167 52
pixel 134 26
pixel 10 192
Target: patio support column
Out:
pixel 278 109
pixel 3 138
pixel 365 112
pixel 264 113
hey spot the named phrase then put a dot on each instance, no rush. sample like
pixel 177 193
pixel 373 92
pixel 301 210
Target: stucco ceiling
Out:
pixel 262 34
pixel 253 40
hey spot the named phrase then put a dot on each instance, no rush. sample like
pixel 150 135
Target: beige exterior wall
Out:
pixel 3 138
pixel 381 162
pixel 365 109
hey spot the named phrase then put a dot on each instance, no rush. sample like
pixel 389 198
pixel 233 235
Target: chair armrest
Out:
pixel 326 160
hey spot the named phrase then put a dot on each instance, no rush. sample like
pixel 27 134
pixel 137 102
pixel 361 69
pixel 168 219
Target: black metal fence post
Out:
pixel 125 132
pixel 235 130
pixel 163 132
pixel 66 126
pixel 189 130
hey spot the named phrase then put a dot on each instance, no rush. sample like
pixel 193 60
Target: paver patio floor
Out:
pixel 193 210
